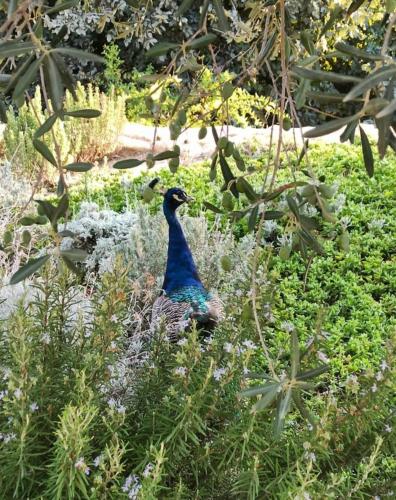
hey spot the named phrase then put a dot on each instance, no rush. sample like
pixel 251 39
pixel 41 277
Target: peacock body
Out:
pixel 183 297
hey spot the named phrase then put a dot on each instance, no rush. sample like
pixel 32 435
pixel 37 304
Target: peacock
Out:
pixel 183 298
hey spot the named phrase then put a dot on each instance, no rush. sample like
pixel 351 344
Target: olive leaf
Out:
pixel 285 390
pixel 371 81
pixel 28 269
pixel 367 153
pixel 79 167
pixel 328 76
pixel 43 149
pixel 331 126
pixel 131 163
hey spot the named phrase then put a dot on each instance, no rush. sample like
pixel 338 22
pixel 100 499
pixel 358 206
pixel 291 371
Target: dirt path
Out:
pixel 136 141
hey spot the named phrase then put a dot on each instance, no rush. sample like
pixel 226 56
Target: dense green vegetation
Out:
pixel 351 289
pixel 76 393
pixel 292 395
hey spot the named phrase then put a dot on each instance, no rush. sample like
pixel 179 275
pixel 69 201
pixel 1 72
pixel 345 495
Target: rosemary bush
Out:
pixel 90 409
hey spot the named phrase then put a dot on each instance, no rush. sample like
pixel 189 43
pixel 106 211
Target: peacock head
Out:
pixel 173 197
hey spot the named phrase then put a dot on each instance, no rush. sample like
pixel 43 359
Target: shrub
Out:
pixel 81 418
pixel 348 292
pixel 244 108
pixel 79 140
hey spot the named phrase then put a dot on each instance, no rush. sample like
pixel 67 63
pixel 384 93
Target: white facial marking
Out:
pixel 177 197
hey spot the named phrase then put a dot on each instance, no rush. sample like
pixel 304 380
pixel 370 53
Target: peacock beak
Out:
pixel 189 199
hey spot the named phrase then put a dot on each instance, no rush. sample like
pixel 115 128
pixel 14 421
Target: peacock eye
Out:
pixel 177 197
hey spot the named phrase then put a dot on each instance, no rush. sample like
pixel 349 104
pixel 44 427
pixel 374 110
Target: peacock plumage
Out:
pixel 183 297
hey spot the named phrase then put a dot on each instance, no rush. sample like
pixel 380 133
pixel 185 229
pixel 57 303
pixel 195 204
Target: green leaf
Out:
pixel 227 90
pixel 202 133
pixel 28 269
pixel 301 93
pixel 228 175
pixel 306 40
pixel 148 194
pixel 259 389
pixel 349 132
pixel 46 208
pixel 226 263
pixel 221 16
pixel 181 117
pixel 371 81
pixel 84 113
pixel 273 214
pixel 27 78
pixel 79 54
pixel 26 237
pixel 314 372
pixel 213 208
pixel 334 15
pixel 302 409
pixel 61 186
pixel 329 127
pixel 228 201
pixel 243 186
pixel 166 155
pixel 70 265
pixel 42 148
pixel 293 206
pixel 353 7
pixel 318 75
pixel 353 51
pixel 265 401
pixel 79 167
pixel 65 233
pixel 384 134
pixel 308 223
pixel 267 50
pixel 343 241
pixel 162 48
pixel 46 126
pixel 253 219
pixel 174 164
pixel 202 42
pixel 58 37
pixel 204 11
pixel 15 48
pixel 27 221
pixel 131 163
pixel 65 74
pixel 310 241
pixel 367 153
pixel 61 209
pixel 68 4
pixel 282 410
pixel 295 354
pixel 75 254
pixel 55 84
pixel 184 6
pixel 41 220
pixel 20 71
pixel 387 110
pixel 303 152
pixel 325 98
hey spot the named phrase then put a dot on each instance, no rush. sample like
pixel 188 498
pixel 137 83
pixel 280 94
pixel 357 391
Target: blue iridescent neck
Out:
pixel 180 267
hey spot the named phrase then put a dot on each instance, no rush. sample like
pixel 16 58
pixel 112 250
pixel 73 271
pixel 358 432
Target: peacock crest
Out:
pixel 183 297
